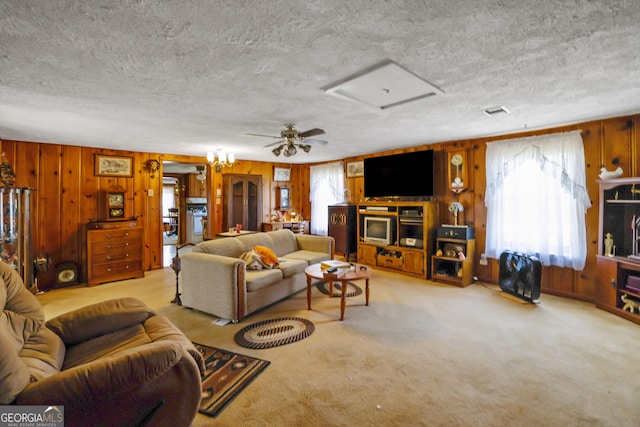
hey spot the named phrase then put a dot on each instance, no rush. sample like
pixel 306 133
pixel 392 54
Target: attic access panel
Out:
pixel 383 85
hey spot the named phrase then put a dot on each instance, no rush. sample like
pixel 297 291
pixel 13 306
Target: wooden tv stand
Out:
pixel 413 225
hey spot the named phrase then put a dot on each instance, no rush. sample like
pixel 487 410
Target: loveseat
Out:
pixel 110 363
pixel 215 278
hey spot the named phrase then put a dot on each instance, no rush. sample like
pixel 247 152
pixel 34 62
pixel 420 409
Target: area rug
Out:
pixel 226 375
pixel 352 289
pixel 274 332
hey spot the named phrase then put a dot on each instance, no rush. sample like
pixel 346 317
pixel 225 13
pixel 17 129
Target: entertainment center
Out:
pixel 397 235
pixel 397 223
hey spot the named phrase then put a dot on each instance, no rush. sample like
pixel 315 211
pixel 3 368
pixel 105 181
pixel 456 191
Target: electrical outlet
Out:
pixel 483 259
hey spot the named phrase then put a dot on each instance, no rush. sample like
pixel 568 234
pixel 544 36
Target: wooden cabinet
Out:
pixel 196 187
pixel 367 254
pixel 415 262
pixel 397 236
pixel 453 261
pixel 342 227
pixel 607 282
pixel 242 201
pixel 114 251
pixel 618 259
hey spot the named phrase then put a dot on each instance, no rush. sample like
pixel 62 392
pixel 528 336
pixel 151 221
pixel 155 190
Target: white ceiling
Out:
pixel 185 77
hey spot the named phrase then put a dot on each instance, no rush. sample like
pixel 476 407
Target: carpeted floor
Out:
pixel 226 375
pixel 420 354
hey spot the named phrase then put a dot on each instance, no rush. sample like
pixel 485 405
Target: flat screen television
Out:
pixel 405 175
pixel 377 230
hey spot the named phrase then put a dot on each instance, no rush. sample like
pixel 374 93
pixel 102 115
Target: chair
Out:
pixel 111 363
pixel 173 221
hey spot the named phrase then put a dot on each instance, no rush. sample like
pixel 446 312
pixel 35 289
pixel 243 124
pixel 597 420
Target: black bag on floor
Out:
pixel 520 275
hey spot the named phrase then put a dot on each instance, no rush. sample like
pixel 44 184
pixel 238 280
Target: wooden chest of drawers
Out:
pixel 114 251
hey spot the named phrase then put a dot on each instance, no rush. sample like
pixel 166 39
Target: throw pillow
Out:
pixel 253 260
pixel 268 257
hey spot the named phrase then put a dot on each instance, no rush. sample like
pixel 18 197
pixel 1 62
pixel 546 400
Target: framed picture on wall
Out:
pixel 281 174
pixel 355 169
pixel 282 198
pixel 113 166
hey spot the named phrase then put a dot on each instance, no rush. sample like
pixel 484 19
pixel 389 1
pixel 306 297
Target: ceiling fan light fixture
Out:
pixel 276 151
pixel 305 147
pixel 290 151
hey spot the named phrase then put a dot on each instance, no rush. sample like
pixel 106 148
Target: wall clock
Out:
pixel 457 171
pixel 115 203
pixel 67 274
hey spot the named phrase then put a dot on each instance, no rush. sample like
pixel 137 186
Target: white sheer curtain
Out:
pixel 326 188
pixel 536 198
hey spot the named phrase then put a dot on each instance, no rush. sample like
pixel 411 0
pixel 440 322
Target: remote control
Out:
pixel 332 270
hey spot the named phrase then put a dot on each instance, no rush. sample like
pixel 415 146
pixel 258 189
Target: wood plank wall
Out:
pixel 67 194
pixel 609 142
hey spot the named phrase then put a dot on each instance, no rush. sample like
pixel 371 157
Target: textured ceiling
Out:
pixel 185 77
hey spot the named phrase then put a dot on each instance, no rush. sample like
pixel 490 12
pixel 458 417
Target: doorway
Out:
pixel 184 204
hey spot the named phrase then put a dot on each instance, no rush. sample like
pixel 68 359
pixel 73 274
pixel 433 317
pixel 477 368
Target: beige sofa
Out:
pixel 215 279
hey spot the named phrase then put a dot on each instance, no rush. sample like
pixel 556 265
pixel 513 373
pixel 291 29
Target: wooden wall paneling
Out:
pixel 478 174
pixel 304 184
pixel 635 139
pixel 214 212
pixel 153 233
pixel 617 144
pixel 147 210
pixel 49 197
pixel 586 280
pixel 90 194
pixel 71 217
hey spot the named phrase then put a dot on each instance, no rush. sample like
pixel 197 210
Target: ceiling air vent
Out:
pixel 496 110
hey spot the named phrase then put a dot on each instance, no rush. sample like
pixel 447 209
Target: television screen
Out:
pixel 377 230
pixel 400 175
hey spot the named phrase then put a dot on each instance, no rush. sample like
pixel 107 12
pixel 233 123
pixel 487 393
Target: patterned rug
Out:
pixel 274 332
pixel 352 289
pixel 226 375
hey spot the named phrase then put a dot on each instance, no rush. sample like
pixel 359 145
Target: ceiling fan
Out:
pixel 290 138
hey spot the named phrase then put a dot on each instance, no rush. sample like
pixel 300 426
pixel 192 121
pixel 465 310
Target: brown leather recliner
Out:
pixel 112 363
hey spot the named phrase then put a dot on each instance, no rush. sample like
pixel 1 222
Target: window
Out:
pixel 326 188
pixel 536 198
pixel 168 195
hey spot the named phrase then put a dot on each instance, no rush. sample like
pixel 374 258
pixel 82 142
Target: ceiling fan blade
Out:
pixel 275 143
pixel 259 134
pixel 315 141
pixel 310 132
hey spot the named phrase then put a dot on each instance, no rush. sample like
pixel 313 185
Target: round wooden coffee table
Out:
pixel 358 273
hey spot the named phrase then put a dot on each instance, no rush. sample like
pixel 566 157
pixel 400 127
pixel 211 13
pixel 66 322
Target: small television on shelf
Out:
pixel 405 175
pixel 377 230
